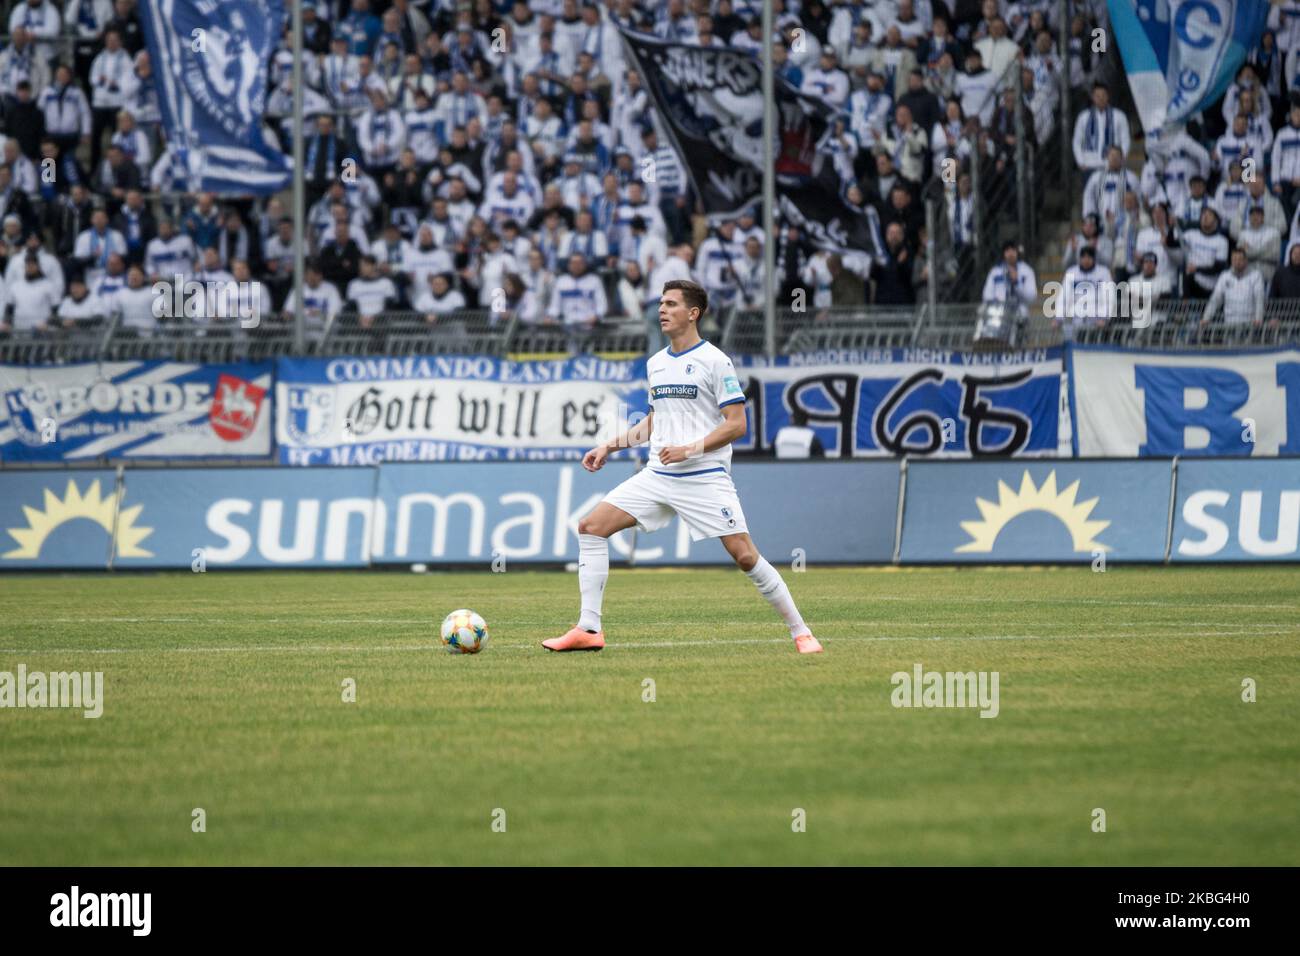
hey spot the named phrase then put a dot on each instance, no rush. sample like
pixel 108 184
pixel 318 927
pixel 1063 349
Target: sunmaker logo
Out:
pixel 102 509
pixel 133 910
pixel 995 516
pixel 674 391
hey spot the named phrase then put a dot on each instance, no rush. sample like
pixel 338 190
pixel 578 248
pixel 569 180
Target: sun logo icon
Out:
pixel 1074 515
pixel 57 511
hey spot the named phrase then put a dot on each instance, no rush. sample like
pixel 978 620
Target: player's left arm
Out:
pixel 733 427
pixel 726 391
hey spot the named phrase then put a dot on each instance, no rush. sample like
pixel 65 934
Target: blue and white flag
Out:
pixel 1180 55
pixel 210 61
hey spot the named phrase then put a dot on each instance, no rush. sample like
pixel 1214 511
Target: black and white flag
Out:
pixel 711 101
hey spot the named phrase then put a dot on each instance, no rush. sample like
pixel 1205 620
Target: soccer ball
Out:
pixel 464 632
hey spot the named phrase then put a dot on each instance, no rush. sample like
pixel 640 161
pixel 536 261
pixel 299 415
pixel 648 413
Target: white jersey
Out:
pixel 688 391
pixel 1242 297
pixel 167 258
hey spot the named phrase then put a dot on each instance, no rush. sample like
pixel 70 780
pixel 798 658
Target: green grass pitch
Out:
pixel 1119 690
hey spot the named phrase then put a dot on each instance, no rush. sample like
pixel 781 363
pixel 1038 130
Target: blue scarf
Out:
pixel 1090 132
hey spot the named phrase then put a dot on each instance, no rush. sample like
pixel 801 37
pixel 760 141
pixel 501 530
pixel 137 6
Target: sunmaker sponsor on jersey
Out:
pixel 674 391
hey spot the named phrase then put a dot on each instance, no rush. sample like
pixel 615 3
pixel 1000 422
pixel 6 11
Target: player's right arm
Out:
pixel 638 434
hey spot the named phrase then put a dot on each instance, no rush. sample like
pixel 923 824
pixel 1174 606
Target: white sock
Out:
pixel 768 581
pixel 593 570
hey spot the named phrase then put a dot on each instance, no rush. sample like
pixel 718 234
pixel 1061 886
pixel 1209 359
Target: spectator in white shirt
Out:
pixel 1149 286
pixel 381 134
pixel 112 75
pixel 253 300
pixel 321 300
pixel 133 143
pixel 169 254
pixel 423 258
pixel 40 18
pixel 638 246
pixel 1103 196
pixel 134 303
pixel 869 110
pixel 96 245
pixel 749 275
pixel 1011 281
pixel 1097 129
pixel 438 298
pixel 1262 243
pixel 1087 294
pixel 23 169
pixel 578 299
pixel 1205 256
pixel 976 88
pixel 67 114
pixel 51 268
pixel 34 299
pixel 371 292
pixel 518 303
pixel 827 83
pixel 79 305
pixel 997 49
pixel 1241 292
pixel 21 62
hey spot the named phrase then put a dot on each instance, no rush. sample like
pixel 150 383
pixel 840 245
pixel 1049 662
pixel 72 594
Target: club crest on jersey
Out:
pixel 689 368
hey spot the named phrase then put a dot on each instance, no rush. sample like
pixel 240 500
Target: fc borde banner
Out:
pixel 209 60
pixel 142 409
pixel 362 411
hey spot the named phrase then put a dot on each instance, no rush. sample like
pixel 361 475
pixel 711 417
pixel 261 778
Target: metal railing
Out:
pixel 470 331
pixel 959 326
pixel 1003 202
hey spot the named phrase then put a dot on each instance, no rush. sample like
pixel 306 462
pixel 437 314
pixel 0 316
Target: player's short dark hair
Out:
pixel 693 294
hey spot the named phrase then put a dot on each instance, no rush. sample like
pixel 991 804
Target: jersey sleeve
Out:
pixel 726 385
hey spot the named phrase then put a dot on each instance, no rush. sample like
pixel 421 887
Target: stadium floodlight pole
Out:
pixel 931 255
pixel 1067 150
pixel 977 207
pixel 769 187
pixel 299 193
pixel 1022 164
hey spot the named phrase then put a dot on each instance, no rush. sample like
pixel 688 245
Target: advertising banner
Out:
pixel 1237 511
pixel 919 402
pixel 1066 511
pixel 1232 404
pixel 363 411
pixel 146 409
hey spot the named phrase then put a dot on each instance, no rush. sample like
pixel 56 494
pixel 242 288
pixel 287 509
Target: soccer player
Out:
pixel 697 410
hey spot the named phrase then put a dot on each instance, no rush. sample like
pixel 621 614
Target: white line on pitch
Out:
pixel 408 648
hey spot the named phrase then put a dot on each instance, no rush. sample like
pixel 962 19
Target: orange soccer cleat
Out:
pixel 807 644
pixel 576 640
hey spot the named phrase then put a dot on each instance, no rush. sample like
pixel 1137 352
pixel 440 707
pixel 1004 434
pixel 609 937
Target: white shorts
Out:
pixel 706 501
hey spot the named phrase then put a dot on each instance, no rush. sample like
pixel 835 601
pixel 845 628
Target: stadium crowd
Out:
pixel 494 155
pixel 1209 214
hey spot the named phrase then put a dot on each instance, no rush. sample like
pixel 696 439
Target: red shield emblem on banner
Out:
pixel 235 408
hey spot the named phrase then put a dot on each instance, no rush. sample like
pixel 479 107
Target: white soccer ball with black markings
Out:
pixel 464 632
